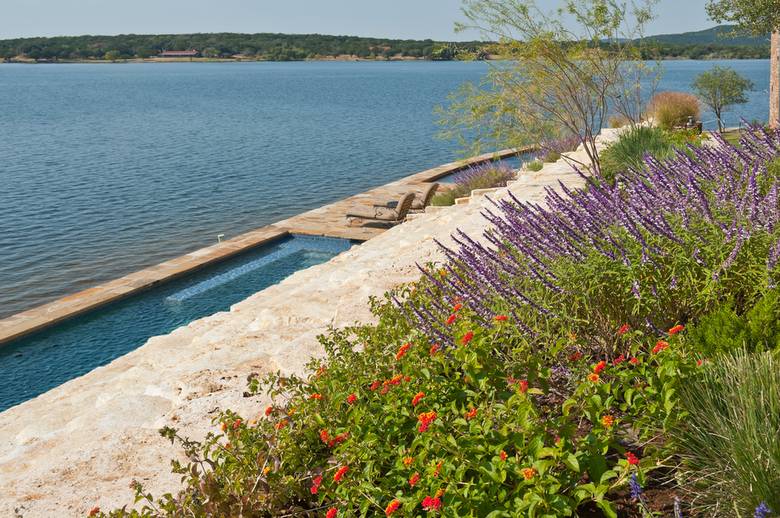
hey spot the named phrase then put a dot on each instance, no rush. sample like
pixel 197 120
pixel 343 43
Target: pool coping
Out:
pixel 322 221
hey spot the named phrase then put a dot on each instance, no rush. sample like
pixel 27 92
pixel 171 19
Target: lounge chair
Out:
pixel 424 198
pixel 421 200
pixel 384 214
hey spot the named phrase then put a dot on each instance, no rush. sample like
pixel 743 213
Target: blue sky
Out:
pixel 387 18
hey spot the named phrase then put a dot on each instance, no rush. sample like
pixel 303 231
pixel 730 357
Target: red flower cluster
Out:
pixel 351 399
pixel 324 436
pixel 438 469
pixel 340 473
pixel 315 484
pixel 620 359
pixel 500 318
pixel 660 346
pixel 281 424
pixel 402 351
pixel 431 503
pixel 467 338
pixel 523 386
pixel 634 361
pixel 269 410
pixel 392 507
pixel 676 329
pixel 94 511
pixel 414 479
pixel 623 329
pixel 417 397
pixel 457 307
pixel 600 366
pixel 471 414
pixel 502 455
pixel 332 512
pixel 435 348
pixel 375 385
pixel 576 355
pixel 632 459
pixel 338 439
pixel 451 319
pixel 316 396
pixel 426 418
pixel 408 461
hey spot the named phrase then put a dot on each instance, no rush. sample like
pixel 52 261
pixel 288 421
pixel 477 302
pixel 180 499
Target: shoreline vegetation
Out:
pixel 231 47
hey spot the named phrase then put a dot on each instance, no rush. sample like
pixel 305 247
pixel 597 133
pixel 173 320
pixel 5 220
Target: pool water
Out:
pixel 515 162
pixel 35 364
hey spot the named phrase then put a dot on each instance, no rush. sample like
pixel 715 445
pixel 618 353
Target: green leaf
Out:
pixel 606 476
pixel 606 506
pixel 571 462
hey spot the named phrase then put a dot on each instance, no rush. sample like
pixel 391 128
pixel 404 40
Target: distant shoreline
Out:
pixel 204 60
pixel 315 60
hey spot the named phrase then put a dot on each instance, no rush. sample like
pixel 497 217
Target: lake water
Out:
pixel 106 169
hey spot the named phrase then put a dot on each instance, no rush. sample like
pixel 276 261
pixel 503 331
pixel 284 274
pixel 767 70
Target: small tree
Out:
pixel 562 73
pixel 112 55
pixel 721 88
pixel 758 17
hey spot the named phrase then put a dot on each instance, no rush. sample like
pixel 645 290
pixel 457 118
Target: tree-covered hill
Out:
pixel 280 47
pixel 719 42
pixel 722 35
pixel 709 44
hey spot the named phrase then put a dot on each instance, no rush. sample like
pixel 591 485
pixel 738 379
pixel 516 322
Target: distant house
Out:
pixel 179 53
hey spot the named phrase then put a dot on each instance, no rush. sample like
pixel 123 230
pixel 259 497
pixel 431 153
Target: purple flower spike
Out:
pixel 762 511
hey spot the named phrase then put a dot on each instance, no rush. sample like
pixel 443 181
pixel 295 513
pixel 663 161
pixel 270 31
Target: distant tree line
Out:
pixel 706 51
pixel 276 47
pixel 297 47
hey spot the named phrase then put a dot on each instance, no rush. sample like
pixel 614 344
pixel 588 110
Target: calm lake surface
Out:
pixel 107 169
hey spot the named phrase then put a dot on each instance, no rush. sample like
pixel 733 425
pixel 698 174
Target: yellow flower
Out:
pixel 528 473
pixel 266 470
pixel 607 421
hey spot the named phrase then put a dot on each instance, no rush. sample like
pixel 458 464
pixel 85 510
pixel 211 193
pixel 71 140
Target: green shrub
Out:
pixel 772 177
pixel 723 330
pixel 552 157
pixel 628 152
pixel 535 166
pixel 673 109
pixel 729 442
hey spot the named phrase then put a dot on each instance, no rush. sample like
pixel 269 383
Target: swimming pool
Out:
pixel 34 364
pixel 515 162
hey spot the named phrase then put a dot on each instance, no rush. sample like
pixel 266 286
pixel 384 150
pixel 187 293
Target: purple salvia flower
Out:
pixel 635 486
pixel 762 511
pixel 677 510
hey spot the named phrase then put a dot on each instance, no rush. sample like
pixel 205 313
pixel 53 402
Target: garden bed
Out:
pixel 550 372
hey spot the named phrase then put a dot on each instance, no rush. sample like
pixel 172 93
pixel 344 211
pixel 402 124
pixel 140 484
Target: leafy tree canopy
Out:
pixel 756 16
pixel 721 88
